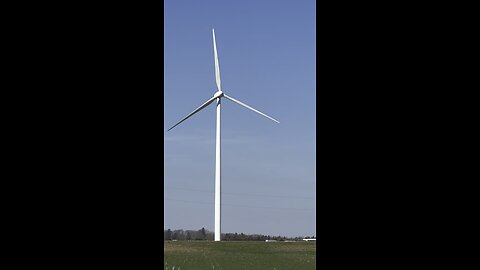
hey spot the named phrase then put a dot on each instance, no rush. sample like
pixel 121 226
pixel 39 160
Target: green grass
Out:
pixel 229 255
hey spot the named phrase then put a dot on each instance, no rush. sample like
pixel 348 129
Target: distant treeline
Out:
pixel 204 234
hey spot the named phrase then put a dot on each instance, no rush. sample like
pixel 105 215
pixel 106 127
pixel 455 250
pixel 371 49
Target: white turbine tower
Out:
pixel 218 97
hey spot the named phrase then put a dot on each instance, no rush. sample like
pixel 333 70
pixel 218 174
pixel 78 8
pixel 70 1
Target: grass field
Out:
pixel 251 255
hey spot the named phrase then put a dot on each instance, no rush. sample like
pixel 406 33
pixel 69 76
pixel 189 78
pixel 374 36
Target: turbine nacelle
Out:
pixel 218 94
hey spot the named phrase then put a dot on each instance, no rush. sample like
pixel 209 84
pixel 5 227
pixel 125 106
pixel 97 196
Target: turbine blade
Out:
pixel 217 68
pixel 248 107
pixel 194 112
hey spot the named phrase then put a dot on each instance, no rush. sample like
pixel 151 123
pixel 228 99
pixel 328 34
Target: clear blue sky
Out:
pixel 267 57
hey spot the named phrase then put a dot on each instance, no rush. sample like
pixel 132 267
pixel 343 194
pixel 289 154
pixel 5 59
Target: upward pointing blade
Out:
pixel 248 107
pixel 217 68
pixel 195 111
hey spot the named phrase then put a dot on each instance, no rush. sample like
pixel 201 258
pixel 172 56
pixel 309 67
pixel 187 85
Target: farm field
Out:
pixel 251 255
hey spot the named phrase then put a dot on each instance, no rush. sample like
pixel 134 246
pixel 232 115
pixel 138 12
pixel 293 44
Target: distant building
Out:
pixel 270 240
pixel 309 239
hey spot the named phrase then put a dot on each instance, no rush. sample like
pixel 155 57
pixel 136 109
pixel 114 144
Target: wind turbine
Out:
pixel 218 98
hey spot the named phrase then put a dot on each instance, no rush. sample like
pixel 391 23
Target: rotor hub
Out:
pixel 218 94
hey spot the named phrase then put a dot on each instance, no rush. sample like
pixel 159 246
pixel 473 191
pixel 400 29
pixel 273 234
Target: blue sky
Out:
pixel 267 57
